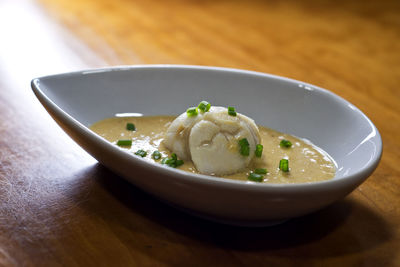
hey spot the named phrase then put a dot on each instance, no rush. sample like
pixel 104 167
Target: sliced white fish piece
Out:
pixel 214 152
pixel 211 140
pixel 176 137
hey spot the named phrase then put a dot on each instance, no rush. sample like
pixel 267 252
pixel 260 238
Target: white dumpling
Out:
pixel 211 140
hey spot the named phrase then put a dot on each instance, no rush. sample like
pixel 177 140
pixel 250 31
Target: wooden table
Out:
pixel 58 206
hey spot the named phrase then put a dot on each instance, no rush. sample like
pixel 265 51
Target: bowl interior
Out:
pixel 285 105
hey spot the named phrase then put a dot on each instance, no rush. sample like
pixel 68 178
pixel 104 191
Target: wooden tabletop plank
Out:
pixel 58 206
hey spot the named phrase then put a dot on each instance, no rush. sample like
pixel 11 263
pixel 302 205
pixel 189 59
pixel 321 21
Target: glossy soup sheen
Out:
pixel 307 162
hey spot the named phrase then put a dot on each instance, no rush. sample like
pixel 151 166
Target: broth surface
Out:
pixel 307 162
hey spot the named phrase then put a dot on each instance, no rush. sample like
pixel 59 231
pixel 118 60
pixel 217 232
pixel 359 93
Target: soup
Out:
pixel 307 162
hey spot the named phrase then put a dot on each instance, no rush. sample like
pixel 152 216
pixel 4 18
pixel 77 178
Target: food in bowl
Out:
pixel 216 140
pixel 77 100
pixel 221 142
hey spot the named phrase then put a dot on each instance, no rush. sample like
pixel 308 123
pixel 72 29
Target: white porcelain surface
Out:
pixel 76 100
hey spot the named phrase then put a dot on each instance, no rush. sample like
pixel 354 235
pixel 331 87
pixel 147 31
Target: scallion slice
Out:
pixel 156 155
pixel 178 163
pixel 124 142
pixel 165 160
pixel 259 150
pixel 191 112
pixel 130 126
pixel 232 111
pixel 244 147
pixel 285 143
pixel 255 177
pixel 204 106
pixel 284 165
pixel 260 171
pixel 141 153
pixel 173 161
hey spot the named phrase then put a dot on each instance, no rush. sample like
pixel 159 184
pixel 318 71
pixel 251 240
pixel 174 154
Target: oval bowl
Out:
pixel 78 99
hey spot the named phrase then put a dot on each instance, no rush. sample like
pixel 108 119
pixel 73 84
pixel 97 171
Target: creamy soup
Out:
pixel 307 162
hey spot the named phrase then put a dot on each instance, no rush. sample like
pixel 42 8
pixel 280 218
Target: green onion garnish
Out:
pixel 178 163
pixel 141 153
pixel 261 171
pixel 232 111
pixel 156 155
pixel 124 142
pixel 165 160
pixel 192 111
pixel 244 147
pixel 204 106
pixel 285 143
pixel 130 126
pixel 284 165
pixel 255 177
pixel 259 150
pixel 173 161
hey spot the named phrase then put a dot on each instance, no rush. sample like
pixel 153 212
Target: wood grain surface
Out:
pixel 59 207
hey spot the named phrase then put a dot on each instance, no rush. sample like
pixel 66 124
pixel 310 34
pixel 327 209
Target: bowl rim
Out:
pixel 356 178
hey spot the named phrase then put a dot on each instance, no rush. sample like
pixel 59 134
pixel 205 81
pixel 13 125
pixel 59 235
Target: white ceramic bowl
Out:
pixel 76 100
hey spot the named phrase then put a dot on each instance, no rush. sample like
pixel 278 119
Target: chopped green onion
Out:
pixel 165 160
pixel 255 177
pixel 285 143
pixel 156 155
pixel 232 111
pixel 124 142
pixel 204 106
pixel 261 171
pixel 284 165
pixel 173 161
pixel 259 150
pixel 192 111
pixel 130 126
pixel 178 163
pixel 141 153
pixel 244 147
